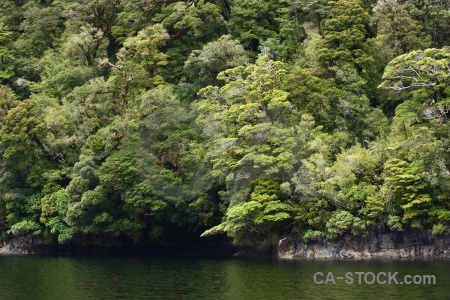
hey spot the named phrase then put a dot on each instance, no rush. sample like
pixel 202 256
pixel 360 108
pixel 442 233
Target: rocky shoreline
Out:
pixel 377 245
pixel 26 246
pixel 19 246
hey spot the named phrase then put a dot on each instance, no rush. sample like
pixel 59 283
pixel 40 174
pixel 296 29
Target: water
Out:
pixel 200 278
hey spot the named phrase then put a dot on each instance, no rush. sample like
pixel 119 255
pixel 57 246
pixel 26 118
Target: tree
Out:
pixel 347 57
pixel 345 35
pixel 433 17
pixel 40 28
pixel 21 137
pixel 317 11
pixel 343 221
pixel 253 21
pixel 253 140
pixel 54 215
pixel 415 164
pixel 398 32
pixel 59 76
pixel 202 66
pixel 190 26
pixel 6 53
pixel 425 70
pixel 87 45
pixel 142 52
pixel 7 102
pixel 101 14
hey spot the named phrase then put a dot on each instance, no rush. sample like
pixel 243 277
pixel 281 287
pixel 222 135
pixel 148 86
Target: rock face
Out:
pixel 19 246
pixel 379 244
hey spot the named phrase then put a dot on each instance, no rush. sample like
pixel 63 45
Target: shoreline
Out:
pixel 377 245
pixel 25 246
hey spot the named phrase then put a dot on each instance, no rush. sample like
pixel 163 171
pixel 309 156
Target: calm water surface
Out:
pixel 199 278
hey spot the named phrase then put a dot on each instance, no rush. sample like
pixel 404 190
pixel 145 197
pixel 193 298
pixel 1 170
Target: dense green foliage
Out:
pixel 161 121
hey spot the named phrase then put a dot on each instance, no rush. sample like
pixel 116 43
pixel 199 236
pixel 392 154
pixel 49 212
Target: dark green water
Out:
pixel 198 278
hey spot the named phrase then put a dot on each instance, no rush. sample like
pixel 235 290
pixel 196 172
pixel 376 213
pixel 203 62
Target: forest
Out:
pixel 160 121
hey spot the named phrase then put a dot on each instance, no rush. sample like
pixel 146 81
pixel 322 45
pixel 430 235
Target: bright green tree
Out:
pixel 253 136
pixel 6 53
pixel 422 73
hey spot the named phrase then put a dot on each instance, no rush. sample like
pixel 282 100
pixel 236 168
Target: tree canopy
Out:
pixel 163 121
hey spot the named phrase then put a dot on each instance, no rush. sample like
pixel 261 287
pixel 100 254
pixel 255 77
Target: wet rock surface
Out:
pixel 379 244
pixel 19 246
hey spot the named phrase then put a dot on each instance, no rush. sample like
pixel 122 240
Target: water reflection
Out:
pixel 195 278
